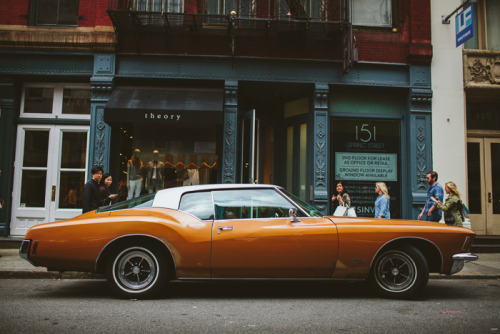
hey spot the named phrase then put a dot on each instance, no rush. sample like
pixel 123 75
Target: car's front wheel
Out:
pixel 400 273
pixel 137 271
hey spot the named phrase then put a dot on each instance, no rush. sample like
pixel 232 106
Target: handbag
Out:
pixel 449 220
pixel 351 212
pixel 340 211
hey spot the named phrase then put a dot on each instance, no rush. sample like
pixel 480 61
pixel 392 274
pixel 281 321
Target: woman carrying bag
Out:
pixel 452 207
pixel 341 202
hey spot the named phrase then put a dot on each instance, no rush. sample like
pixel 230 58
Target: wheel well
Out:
pixel 122 242
pixel 427 248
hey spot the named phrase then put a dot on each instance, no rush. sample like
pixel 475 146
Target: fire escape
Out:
pixel 300 29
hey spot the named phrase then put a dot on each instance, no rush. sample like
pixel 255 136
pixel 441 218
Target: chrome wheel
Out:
pixel 135 270
pixel 395 271
pixel 400 273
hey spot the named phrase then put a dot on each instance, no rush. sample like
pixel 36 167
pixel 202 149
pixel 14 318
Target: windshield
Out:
pixel 139 202
pixel 312 211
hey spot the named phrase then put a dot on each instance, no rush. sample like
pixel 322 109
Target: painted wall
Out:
pixel 449 142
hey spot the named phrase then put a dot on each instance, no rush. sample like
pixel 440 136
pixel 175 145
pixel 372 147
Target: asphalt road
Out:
pixel 86 306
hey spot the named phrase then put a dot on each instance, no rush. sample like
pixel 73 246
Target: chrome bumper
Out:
pixel 25 250
pixel 459 261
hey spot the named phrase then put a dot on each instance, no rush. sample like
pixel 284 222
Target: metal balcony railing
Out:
pixel 310 10
pixel 307 19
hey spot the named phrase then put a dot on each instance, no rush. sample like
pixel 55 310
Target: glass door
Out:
pixel 483 162
pixel 296 159
pixel 257 149
pixel 250 144
pixel 49 175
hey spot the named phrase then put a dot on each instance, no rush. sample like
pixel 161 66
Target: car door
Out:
pixel 253 236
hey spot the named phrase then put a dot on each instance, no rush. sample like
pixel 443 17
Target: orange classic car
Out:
pixel 243 231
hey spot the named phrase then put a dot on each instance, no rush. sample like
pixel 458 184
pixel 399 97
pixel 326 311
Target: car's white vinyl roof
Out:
pixel 170 198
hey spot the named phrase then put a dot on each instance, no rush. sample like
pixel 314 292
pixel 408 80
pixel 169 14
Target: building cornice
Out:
pixel 81 39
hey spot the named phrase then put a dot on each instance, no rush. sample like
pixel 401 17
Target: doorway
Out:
pixel 50 167
pixel 483 164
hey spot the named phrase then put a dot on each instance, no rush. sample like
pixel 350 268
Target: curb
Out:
pixel 48 275
pixel 80 275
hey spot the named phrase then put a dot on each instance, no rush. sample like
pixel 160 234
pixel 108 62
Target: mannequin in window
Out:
pixel 193 175
pixel 134 175
pixel 154 178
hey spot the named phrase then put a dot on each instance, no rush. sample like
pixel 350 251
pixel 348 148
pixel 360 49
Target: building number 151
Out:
pixel 365 133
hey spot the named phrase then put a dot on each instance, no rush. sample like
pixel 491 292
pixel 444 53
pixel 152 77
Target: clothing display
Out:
pixel 193 177
pixel 134 189
pixel 155 175
pixel 134 175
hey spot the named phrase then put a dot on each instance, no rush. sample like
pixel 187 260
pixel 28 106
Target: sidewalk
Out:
pixel 13 266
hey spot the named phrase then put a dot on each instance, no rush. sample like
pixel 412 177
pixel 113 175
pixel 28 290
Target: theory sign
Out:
pixel 464 25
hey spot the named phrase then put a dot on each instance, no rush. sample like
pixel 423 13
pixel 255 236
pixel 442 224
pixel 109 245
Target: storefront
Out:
pixel 297 124
pixel 366 140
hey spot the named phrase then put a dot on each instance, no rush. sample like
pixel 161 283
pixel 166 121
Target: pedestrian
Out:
pixel 382 201
pixel 452 208
pixel 92 198
pixel 341 196
pixel 430 211
pixel 105 188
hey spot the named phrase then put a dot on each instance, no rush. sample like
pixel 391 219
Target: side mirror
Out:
pixel 293 213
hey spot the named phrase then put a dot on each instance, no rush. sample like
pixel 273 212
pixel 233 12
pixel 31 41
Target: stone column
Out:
pixel 321 147
pixel 230 137
pixel 101 89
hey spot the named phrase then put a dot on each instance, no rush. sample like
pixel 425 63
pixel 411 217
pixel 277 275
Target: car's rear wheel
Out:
pixel 137 271
pixel 400 273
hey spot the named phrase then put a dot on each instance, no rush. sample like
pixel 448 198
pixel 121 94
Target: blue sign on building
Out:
pixel 464 23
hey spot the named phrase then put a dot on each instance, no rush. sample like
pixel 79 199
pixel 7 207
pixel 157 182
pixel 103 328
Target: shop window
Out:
pixel 55 12
pixel 56 101
pixel 170 155
pixel 366 151
pixel 486 27
pixel 372 13
pixel 483 116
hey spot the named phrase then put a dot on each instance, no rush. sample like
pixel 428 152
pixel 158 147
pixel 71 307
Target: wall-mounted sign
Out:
pixel 375 167
pixel 464 25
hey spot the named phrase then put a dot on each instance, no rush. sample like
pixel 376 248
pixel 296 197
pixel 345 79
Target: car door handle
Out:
pixel 224 228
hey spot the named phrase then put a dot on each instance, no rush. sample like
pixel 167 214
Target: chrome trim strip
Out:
pixel 465 257
pixel 24 250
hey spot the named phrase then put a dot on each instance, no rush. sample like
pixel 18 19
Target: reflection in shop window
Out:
pixel 474 178
pixel 33 188
pixel 374 13
pixel 76 101
pixel 38 100
pixel 56 12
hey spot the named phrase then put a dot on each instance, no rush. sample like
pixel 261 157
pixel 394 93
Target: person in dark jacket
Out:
pixel 92 198
pixel 105 188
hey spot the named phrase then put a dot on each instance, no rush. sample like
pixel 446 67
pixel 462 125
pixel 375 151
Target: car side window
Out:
pixel 250 203
pixel 199 204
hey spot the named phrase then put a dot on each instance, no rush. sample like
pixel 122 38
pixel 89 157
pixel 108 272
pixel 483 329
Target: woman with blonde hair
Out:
pixel 452 207
pixel 382 201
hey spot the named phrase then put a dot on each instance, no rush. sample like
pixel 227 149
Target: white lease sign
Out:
pixel 366 166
